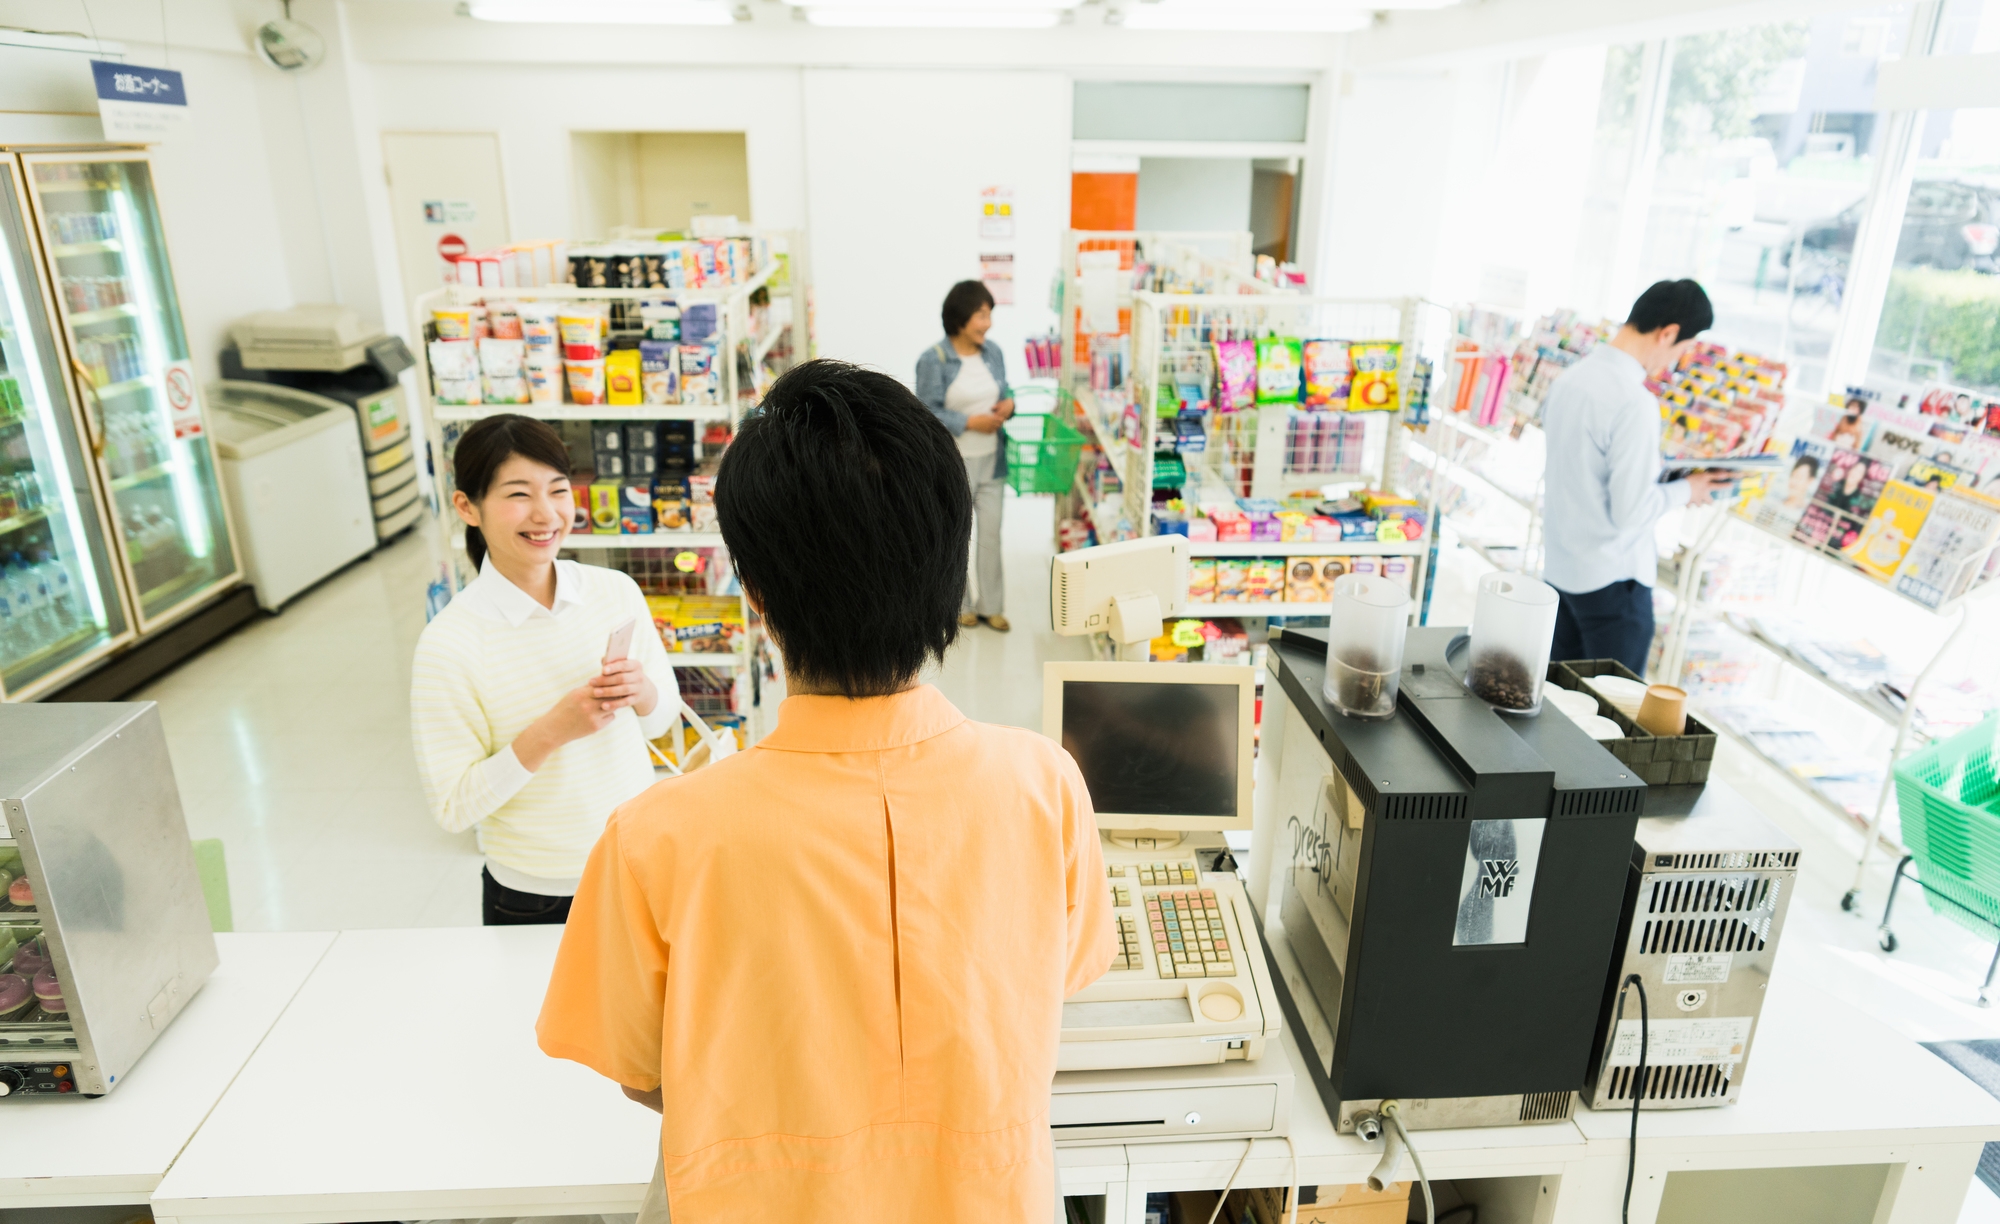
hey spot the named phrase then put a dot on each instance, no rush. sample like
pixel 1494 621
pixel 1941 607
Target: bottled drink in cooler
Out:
pixel 65 613
pixel 20 599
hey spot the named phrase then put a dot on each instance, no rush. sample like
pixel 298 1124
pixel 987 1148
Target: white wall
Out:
pixel 895 169
pixel 1194 193
pixel 216 196
pixel 1380 230
pixel 534 107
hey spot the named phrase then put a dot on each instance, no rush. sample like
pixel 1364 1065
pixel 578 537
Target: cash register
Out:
pixel 1168 1042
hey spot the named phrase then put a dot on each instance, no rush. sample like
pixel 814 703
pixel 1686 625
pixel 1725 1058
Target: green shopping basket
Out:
pixel 1948 799
pixel 1041 453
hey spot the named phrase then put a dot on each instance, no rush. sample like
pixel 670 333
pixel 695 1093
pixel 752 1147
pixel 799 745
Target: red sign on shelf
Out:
pixel 451 246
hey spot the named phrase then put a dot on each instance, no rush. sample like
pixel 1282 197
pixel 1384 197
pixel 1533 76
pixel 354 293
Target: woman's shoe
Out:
pixel 997 622
pixel 968 620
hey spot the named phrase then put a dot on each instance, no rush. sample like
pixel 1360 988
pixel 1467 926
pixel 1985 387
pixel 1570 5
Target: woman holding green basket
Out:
pixel 973 400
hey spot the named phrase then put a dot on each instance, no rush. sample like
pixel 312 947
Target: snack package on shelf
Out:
pixel 1279 373
pixel 1374 387
pixel 455 373
pixel 1328 374
pixel 1236 374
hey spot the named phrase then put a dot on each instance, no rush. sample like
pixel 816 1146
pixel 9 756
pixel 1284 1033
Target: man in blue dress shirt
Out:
pixel 1602 495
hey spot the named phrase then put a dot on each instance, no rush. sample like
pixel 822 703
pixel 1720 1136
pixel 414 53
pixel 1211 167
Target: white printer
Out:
pixel 326 350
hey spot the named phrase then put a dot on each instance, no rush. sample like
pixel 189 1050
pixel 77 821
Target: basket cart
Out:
pixel 1042 453
pixel 1948 796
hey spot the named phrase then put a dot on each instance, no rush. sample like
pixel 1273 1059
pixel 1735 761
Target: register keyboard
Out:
pixel 1186 986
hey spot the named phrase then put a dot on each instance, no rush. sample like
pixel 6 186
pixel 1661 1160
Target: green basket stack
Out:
pixel 1948 797
pixel 1042 453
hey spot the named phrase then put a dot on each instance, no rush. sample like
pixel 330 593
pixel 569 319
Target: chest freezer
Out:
pixel 293 472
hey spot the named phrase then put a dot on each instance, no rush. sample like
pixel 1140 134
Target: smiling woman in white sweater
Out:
pixel 523 729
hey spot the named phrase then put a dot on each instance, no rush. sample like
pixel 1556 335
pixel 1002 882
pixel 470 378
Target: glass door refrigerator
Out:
pixel 61 607
pixel 106 257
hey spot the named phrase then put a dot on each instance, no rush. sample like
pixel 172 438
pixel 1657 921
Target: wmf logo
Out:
pixel 1496 877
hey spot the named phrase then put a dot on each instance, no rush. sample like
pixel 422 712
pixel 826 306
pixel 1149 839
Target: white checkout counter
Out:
pixel 394 1074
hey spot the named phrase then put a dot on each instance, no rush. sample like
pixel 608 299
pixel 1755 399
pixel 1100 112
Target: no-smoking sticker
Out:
pixel 182 410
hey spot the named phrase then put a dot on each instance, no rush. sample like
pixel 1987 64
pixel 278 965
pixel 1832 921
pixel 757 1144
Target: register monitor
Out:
pixel 1166 750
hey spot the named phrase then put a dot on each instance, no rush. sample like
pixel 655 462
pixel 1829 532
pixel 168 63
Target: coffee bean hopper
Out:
pixel 104 936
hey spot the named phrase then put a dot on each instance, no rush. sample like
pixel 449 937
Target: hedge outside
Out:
pixel 1953 318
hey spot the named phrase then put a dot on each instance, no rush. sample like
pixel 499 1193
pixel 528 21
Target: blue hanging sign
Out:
pixel 138 104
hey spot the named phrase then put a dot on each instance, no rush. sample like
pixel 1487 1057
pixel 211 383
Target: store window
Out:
pixel 1144 110
pixel 1767 138
pixel 1941 314
pixel 1940 319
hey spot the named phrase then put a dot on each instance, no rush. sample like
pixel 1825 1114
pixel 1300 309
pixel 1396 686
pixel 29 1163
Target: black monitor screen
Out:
pixel 1154 749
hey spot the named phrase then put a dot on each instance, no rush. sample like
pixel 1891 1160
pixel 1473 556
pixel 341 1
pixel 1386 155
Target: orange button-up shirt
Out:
pixel 843 954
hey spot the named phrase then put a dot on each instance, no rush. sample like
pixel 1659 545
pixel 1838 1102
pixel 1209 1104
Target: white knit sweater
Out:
pixel 494 661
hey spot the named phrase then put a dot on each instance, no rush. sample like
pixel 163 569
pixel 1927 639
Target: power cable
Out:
pixel 1631 983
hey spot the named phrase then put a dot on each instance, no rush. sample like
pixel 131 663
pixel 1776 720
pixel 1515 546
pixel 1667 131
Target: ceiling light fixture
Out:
pixel 1261 16
pixel 934 18
pixel 606 12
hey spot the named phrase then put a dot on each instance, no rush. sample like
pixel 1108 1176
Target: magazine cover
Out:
pixel 1931 476
pixel 1844 534
pixel 1814 525
pixel 1852 482
pixel 1959 529
pixel 1892 527
pixel 1787 493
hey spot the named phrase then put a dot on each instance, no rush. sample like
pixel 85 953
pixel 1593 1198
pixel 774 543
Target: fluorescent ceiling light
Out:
pixel 995 18
pixel 939 6
pixel 605 12
pixel 1262 16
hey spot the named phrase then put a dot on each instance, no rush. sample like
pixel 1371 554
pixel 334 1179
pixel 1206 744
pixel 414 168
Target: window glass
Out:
pixel 1141 110
pixel 1767 143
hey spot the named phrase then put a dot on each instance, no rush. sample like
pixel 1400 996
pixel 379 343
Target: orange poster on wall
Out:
pixel 1103 201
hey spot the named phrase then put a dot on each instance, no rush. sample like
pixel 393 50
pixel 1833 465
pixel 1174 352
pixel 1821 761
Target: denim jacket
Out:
pixel 935 371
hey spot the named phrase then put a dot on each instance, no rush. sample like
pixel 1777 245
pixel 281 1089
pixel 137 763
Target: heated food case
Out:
pixel 104 936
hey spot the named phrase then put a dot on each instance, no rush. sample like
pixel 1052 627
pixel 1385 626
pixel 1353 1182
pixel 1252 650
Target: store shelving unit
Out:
pixel 1449 452
pixel 1100 273
pixel 1175 328
pixel 1900 719
pixel 754 344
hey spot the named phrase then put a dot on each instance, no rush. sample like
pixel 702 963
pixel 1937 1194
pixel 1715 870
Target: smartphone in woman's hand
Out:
pixel 619 644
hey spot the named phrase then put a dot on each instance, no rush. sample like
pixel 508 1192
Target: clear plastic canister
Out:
pixel 1513 625
pixel 1364 644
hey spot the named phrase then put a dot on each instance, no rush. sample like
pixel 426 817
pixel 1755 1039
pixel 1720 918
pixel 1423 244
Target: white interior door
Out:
pixel 445 189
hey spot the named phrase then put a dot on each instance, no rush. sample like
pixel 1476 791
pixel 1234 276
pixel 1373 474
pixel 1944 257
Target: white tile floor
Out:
pixel 291 743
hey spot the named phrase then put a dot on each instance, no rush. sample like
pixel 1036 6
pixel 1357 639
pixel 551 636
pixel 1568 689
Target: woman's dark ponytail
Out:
pixel 490 443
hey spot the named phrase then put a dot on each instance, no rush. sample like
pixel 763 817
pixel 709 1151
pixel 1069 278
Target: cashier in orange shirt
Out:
pixel 836 962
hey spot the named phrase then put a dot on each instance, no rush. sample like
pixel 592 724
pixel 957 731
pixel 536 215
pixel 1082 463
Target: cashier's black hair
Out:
pixel 964 301
pixel 492 442
pixel 1682 301
pixel 844 504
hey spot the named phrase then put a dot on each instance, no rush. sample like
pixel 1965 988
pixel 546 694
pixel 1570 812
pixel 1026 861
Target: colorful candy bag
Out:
pixel 1278 370
pixel 1328 376
pixel 1235 374
pixel 1374 387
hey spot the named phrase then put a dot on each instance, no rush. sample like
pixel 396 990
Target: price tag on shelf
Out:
pixel 183 410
